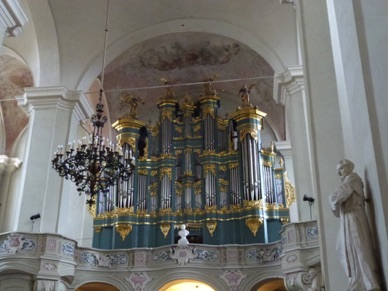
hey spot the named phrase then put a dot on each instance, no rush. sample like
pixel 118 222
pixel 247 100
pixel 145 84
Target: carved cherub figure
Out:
pixel 133 101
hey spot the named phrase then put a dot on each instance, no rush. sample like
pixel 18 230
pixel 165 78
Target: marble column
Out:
pixel 53 114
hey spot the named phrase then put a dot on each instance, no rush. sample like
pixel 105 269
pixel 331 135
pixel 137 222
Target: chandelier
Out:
pixel 95 163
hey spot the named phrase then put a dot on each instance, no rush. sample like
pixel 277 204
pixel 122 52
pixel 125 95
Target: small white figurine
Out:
pixel 183 233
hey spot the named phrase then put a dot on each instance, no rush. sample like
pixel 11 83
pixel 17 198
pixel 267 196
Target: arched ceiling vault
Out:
pixel 188 58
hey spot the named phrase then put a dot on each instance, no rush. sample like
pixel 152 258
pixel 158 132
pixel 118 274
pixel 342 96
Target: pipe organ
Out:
pixel 195 168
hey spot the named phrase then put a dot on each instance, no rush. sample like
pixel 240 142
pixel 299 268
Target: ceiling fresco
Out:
pixel 186 60
pixel 14 76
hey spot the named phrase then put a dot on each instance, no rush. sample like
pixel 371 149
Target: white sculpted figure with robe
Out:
pixel 354 242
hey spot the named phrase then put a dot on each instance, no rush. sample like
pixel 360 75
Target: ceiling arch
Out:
pixel 186 25
pixel 187 58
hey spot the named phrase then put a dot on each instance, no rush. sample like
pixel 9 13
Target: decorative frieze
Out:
pixel 297 255
pixel 103 260
pixel 270 254
pixel 15 243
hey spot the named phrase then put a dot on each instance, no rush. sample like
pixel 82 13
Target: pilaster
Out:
pixel 7 167
pixel 290 91
pixel 53 111
pixel 325 132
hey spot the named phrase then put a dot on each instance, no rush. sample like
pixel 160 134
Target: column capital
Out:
pixel 9 164
pixel 12 17
pixel 288 82
pixel 55 97
pixel 284 147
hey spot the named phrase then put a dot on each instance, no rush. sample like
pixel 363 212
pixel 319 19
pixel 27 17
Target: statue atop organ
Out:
pixel 195 168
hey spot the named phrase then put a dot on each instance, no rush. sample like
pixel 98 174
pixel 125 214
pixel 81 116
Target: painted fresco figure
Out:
pixel 354 242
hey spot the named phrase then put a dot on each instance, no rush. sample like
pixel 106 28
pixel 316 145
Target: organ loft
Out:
pixel 195 168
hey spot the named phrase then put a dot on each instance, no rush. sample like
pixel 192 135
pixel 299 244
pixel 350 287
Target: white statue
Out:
pixel 183 234
pixel 354 242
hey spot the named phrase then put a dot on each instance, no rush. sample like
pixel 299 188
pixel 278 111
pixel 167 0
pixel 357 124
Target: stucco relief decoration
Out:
pixel 99 260
pixel 265 255
pixel 68 249
pixel 232 256
pixel 162 257
pixel 310 281
pixel 206 255
pixel 51 245
pixel 183 254
pixel 291 258
pixel 16 242
pixel 138 280
pixel 233 278
pixel 312 232
pixel 49 267
pixel 139 259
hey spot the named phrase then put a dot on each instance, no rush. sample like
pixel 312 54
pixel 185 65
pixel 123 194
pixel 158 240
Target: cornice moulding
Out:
pixel 48 98
pixel 290 81
pixel 12 17
pixel 8 164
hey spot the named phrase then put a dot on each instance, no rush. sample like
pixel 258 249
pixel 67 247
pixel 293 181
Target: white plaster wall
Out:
pixel 326 131
pixel 360 47
pixel 371 23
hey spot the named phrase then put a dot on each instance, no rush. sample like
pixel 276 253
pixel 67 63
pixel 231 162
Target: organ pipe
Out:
pixel 188 154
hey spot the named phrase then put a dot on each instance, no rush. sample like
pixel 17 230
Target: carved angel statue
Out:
pixel 208 86
pixel 244 93
pixel 133 101
pixel 170 94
